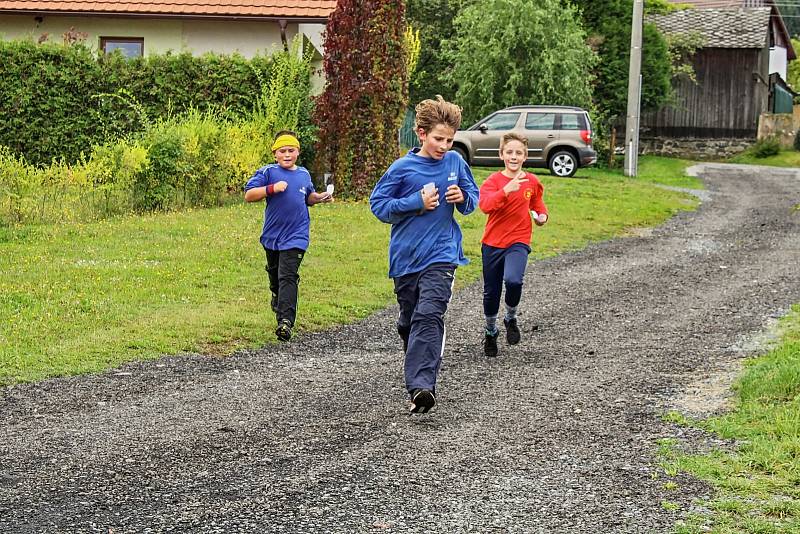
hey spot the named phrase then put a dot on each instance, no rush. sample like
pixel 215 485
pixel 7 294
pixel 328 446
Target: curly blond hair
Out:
pixel 432 112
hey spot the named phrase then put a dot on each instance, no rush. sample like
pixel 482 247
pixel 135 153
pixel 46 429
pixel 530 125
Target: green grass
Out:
pixel 758 484
pixel 655 169
pixel 80 298
pixel 785 158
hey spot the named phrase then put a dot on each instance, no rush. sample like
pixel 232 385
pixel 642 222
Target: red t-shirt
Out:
pixel 509 216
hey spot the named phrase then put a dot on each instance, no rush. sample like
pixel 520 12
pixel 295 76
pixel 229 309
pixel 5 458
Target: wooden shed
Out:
pixel 732 69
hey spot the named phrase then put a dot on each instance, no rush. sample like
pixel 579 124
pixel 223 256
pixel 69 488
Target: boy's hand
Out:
pixel 430 200
pixel 280 187
pixel 454 195
pixel 514 184
pixel 541 219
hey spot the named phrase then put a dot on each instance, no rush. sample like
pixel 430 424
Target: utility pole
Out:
pixel 634 92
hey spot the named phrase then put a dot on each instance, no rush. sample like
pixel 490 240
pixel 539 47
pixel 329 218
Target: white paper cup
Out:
pixel 429 188
pixel 330 189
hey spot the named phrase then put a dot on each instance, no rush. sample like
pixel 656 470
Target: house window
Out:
pixel 129 46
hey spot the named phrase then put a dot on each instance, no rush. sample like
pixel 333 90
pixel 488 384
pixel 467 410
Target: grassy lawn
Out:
pixel 85 297
pixel 758 485
pixel 652 169
pixel 785 158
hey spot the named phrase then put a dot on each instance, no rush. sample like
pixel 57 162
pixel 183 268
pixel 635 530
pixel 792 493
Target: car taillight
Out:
pixel 586 135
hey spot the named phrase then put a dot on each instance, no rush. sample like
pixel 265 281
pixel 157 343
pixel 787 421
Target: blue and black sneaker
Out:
pixel 422 400
pixel 512 331
pixel 490 343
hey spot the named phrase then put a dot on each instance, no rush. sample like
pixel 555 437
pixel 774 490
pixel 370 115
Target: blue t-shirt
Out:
pixel 418 241
pixel 286 219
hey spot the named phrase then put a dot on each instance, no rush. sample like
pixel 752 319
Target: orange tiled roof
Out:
pixel 310 9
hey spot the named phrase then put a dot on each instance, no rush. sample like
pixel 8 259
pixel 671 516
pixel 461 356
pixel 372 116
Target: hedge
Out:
pixel 58 101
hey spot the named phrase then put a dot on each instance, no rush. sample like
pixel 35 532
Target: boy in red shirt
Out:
pixel 511 198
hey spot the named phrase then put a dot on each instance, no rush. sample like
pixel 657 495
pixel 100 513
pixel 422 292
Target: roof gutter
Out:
pixel 193 16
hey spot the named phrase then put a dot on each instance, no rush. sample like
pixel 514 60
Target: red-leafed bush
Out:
pixel 360 110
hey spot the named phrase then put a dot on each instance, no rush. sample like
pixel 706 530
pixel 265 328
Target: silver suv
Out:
pixel 559 137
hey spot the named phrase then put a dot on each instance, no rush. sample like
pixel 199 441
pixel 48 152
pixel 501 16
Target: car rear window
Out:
pixel 573 121
pixel 502 121
pixel 540 121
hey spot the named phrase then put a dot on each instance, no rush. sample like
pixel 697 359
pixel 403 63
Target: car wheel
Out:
pixel 563 164
pixel 461 152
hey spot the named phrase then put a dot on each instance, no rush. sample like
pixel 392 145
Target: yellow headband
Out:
pixel 285 140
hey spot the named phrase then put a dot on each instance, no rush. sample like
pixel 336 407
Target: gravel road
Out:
pixel 558 434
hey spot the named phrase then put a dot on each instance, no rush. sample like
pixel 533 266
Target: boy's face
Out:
pixel 513 155
pixel 436 142
pixel 286 156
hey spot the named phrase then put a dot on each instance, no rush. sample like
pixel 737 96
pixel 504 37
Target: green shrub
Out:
pixel 195 158
pixel 18 181
pixel 283 102
pixel 155 184
pixel 764 148
pixel 112 170
pixel 59 101
pixel 797 140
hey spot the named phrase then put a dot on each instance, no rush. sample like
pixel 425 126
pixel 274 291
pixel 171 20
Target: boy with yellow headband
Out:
pixel 289 191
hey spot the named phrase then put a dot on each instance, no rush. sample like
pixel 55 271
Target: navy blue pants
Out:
pixel 503 265
pixel 423 298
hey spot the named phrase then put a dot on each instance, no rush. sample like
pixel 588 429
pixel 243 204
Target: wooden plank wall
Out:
pixel 725 102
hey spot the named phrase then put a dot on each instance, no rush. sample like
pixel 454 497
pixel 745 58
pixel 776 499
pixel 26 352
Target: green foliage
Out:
pixel 515 52
pixel 796 143
pixel 791 17
pixel 682 47
pixel 434 21
pixel 18 183
pixel 58 101
pixel 413 45
pixel 608 24
pixel 366 93
pixel 155 184
pixel 764 148
pixel 196 159
pixel 793 73
pixel 284 97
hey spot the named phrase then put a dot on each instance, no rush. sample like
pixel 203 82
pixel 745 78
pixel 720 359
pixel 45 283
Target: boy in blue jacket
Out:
pixel 417 195
pixel 289 191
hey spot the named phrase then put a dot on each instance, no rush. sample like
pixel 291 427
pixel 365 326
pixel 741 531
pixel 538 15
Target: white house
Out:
pixel 149 27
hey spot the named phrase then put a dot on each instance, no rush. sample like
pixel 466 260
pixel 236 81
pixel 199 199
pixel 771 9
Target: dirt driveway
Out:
pixel 558 434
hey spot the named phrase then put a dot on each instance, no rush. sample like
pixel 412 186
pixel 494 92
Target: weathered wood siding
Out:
pixel 730 94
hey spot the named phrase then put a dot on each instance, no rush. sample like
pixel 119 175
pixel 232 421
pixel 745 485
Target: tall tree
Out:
pixel 516 52
pixel 791 17
pixel 360 109
pixel 794 68
pixel 608 25
pixel 434 20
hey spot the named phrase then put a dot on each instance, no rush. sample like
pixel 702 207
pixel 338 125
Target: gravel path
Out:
pixel 558 434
